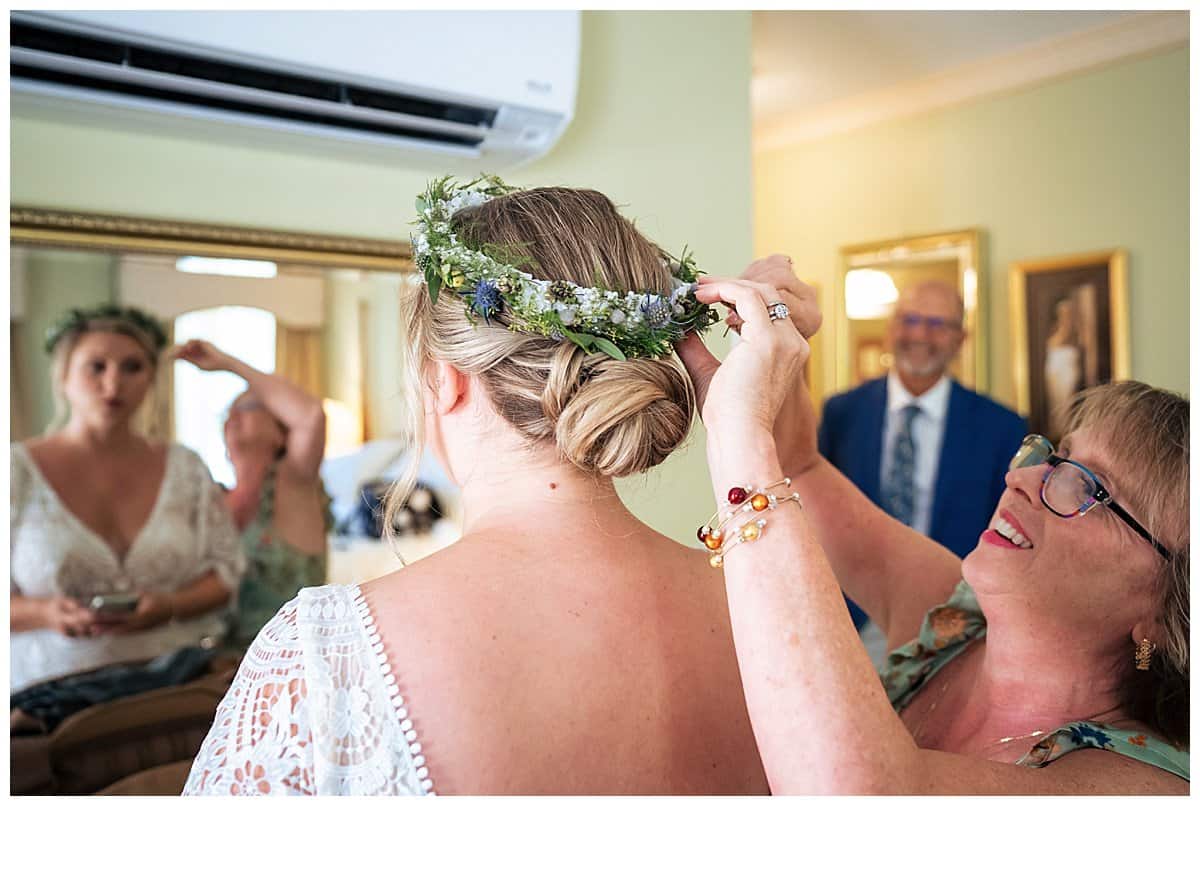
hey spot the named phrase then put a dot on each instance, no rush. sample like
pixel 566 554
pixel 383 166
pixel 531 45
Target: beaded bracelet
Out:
pixel 741 500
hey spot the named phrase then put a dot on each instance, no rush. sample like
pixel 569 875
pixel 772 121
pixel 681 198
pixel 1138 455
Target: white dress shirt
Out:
pixel 929 426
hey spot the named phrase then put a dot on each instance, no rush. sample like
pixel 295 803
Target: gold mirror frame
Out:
pixel 40 227
pixel 972 284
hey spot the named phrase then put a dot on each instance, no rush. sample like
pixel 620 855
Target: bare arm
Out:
pixel 895 574
pixel 59 613
pixel 821 718
pixel 301 413
pixel 156 609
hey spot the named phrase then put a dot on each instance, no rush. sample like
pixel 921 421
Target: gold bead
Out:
pixel 760 501
pixel 751 531
pixel 713 540
pixel 716 561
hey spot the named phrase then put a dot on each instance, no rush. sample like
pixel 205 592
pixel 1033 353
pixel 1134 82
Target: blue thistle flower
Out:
pixel 487 300
pixel 656 311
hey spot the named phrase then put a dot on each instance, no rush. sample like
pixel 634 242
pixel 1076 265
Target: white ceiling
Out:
pixel 805 60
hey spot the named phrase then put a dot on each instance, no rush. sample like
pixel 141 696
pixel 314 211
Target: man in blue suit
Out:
pixel 917 443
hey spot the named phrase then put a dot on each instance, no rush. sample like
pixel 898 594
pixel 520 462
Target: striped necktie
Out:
pixel 899 495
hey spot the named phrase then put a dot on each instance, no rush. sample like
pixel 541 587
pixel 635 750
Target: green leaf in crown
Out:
pixel 619 324
pixel 77 318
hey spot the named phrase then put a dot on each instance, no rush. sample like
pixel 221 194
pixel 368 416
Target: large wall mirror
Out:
pixel 870 279
pixel 321 310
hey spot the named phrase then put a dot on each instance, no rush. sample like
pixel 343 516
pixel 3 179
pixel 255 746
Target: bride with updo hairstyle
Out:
pixel 608 417
pixel 561 646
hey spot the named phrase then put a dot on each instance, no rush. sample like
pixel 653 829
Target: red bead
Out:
pixel 701 533
pixel 737 495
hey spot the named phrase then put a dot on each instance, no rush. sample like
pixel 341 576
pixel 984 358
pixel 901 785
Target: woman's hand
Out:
pixel 744 394
pixel 202 354
pixel 153 609
pixel 66 616
pixel 776 272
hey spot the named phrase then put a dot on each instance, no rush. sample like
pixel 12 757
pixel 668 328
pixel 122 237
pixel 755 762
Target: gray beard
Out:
pixel 932 368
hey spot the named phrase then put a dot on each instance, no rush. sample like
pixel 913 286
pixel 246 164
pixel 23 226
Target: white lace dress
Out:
pixel 52 553
pixel 314 709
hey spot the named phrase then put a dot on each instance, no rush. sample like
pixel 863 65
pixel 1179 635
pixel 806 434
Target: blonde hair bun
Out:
pixel 616 418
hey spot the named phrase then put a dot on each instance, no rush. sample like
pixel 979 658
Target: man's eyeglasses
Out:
pixel 1069 489
pixel 933 323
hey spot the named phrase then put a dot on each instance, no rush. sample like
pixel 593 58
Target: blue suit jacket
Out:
pixel 978 443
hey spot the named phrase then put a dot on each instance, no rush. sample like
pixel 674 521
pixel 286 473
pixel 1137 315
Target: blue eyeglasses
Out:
pixel 933 323
pixel 1069 489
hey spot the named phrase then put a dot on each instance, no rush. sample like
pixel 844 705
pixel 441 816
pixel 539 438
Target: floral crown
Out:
pixel 619 324
pixel 79 319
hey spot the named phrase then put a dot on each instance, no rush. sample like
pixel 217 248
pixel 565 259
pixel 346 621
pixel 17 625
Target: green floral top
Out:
pixel 947 631
pixel 275 570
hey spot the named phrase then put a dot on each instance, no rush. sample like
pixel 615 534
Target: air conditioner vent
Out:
pixel 374 85
pixel 129 56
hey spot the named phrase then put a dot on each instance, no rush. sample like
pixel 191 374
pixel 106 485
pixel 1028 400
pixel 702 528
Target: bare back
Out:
pixel 538 665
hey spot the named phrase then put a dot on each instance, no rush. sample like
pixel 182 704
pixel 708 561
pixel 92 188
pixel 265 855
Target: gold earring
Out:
pixel 1141 657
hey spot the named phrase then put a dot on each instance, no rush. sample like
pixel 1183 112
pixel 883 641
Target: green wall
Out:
pixel 54 282
pixel 1095 161
pixel 648 83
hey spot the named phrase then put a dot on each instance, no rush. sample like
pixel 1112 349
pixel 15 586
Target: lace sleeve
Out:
pixel 219 547
pixel 261 741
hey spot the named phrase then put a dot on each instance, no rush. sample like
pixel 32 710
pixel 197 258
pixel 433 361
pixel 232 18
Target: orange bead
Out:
pixel 760 501
pixel 713 540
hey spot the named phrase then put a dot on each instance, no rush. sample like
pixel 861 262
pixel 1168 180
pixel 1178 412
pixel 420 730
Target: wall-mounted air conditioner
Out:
pixel 493 88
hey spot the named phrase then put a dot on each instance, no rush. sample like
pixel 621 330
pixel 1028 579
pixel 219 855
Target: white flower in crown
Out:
pixel 566 313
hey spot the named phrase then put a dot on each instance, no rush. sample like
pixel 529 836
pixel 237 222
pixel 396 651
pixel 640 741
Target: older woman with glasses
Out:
pixel 1053 659
pixel 275 439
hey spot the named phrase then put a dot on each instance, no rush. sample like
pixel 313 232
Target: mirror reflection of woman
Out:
pixel 1064 363
pixel 275 439
pixel 97 509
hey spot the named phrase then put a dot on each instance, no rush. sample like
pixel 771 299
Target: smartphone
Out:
pixel 114 604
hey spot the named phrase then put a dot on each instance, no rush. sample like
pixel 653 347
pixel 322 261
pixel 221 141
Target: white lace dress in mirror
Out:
pixel 314 709
pixel 188 534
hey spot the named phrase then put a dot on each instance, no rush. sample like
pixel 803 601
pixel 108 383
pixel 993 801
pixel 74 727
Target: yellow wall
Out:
pixel 647 81
pixel 1096 161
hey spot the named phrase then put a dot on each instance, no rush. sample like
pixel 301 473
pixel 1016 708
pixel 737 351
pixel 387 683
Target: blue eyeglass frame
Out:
pixel 933 323
pixel 1099 495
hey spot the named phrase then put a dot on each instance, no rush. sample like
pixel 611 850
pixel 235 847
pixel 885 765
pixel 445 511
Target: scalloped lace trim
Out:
pixel 393 690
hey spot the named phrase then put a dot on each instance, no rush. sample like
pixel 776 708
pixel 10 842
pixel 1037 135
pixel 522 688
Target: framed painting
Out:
pixel 1070 327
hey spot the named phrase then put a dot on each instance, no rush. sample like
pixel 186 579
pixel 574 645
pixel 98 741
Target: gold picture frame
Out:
pixel 1070 330
pixel 957 254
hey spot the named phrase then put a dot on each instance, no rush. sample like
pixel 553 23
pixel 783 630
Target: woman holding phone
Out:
pixel 121 548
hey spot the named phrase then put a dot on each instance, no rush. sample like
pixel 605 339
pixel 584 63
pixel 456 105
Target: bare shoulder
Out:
pixel 36 448
pixel 1081 772
pixel 1097 771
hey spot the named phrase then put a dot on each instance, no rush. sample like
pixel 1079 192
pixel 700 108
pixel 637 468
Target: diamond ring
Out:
pixel 778 311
